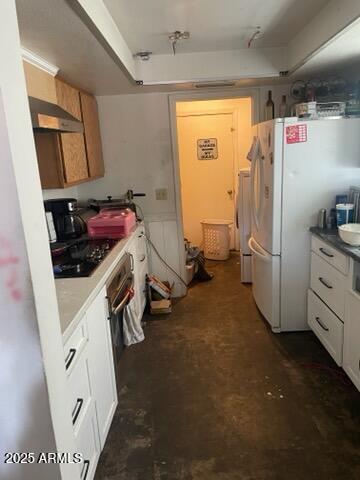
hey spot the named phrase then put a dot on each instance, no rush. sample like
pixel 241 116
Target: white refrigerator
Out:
pixel 244 224
pixel 299 167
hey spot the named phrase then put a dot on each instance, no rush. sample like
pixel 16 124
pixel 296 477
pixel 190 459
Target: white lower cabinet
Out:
pixel 87 443
pixel 334 306
pixel 91 383
pixel 351 363
pixel 326 326
pixel 101 364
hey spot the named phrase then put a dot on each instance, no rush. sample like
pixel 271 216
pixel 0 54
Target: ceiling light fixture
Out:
pixel 174 37
pixel 254 36
pixel 144 56
pixel 214 84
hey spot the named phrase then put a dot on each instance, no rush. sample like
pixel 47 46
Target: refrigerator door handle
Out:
pixel 259 251
pixel 257 212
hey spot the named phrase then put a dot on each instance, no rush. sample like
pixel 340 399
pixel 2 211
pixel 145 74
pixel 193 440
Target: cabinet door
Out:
pixel 49 156
pixel 352 338
pixel 74 157
pixel 68 98
pixel 101 364
pixel 92 135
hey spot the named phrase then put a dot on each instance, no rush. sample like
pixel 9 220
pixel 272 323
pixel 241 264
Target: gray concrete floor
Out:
pixel 213 394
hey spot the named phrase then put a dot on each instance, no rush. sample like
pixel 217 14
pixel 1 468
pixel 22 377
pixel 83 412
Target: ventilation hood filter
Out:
pixel 48 117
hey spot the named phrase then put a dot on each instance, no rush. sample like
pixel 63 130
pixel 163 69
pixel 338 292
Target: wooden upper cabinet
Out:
pixel 62 159
pixel 66 158
pixel 92 135
pixel 68 98
pixel 39 84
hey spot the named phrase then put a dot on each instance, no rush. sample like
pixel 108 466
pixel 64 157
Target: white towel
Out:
pixel 133 332
pixel 254 151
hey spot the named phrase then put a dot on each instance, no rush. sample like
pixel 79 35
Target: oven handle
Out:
pixel 123 302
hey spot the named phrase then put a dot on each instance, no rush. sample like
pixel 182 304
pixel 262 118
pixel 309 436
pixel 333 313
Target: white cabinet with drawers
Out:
pixel 326 297
pixel 334 305
pixel 91 383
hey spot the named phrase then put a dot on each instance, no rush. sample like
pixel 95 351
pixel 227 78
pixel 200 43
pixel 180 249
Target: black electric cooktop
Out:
pixel 81 257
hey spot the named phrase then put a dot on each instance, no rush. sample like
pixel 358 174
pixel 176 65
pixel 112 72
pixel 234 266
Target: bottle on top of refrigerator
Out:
pixel 269 107
pixel 283 108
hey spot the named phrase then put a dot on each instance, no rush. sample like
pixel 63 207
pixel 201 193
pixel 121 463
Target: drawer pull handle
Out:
pixel 321 324
pixel 77 409
pixel 325 283
pixel 143 258
pixel 85 469
pixel 322 250
pixel 69 359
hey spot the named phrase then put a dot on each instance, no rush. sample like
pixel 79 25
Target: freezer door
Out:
pixel 243 210
pixel 266 283
pixel 266 180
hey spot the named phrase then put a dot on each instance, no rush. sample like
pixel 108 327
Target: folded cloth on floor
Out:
pixel 133 332
pixel 254 150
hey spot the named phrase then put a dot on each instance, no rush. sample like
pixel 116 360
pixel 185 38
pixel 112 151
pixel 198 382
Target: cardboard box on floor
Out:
pixel 159 294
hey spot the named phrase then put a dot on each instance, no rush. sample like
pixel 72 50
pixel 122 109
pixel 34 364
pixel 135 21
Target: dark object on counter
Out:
pixel 322 218
pixel 81 257
pixel 125 202
pixel 67 221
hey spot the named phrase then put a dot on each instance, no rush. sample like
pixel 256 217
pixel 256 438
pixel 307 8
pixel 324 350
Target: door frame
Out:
pixel 223 111
pixel 253 93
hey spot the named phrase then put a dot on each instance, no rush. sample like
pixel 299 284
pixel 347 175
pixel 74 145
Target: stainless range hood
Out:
pixel 48 117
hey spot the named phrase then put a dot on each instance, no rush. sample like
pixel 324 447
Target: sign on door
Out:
pixel 207 149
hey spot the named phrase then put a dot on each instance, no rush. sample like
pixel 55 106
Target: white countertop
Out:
pixel 74 295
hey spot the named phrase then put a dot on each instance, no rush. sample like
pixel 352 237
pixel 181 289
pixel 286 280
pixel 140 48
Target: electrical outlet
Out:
pixel 161 194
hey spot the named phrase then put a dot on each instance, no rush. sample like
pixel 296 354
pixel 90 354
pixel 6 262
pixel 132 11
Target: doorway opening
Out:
pixel 213 139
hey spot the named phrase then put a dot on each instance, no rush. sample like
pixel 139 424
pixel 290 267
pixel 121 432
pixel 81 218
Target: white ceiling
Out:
pixel 214 25
pixel 52 30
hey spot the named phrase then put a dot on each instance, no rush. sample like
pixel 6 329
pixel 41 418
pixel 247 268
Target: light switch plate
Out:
pixel 161 194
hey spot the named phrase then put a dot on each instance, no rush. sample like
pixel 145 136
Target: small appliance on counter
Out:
pixel 112 223
pixel 66 219
pixel 127 201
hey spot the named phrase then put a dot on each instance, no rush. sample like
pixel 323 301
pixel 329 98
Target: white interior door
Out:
pixel 207 185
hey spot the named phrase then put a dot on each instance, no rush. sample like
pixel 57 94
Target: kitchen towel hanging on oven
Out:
pixel 133 332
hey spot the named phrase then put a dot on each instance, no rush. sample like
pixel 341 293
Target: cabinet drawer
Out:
pixel 326 326
pixel 329 284
pixel 330 255
pixel 74 346
pixel 79 392
pixel 87 443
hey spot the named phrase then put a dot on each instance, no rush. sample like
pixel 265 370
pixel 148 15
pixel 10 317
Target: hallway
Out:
pixel 212 394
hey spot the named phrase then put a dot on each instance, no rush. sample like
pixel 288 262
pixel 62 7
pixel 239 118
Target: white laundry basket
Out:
pixel 216 239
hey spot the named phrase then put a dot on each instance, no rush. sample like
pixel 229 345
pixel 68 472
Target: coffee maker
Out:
pixel 68 223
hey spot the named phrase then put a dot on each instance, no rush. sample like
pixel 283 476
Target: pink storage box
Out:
pixel 112 223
